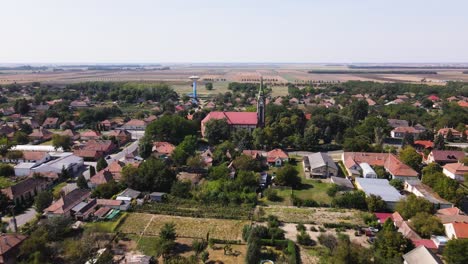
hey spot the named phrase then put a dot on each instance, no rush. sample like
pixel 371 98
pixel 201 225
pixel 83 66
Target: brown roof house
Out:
pixel 445 156
pixel 9 247
pixel 94 149
pixel 122 136
pixel 25 190
pixel 50 122
pixel 162 149
pixel 40 135
pixel 135 124
pixel 102 177
pixel 277 157
pixel 64 205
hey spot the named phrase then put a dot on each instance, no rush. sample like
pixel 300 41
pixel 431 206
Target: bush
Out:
pixel 300 227
pixel 304 239
pixel 328 241
pixel 199 245
pixel 304 203
pixel 272 195
pixel 321 229
pixel 313 229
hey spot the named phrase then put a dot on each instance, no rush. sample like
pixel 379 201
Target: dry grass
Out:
pixel 317 215
pixel 185 226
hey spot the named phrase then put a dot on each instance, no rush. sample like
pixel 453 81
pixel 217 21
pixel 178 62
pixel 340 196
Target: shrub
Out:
pixel 304 239
pixel 272 195
pixel 300 227
pixel 199 245
pixel 328 241
pixel 313 229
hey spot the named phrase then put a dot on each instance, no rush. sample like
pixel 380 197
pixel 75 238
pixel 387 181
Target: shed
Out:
pixel 128 195
pixel 157 196
pixel 367 171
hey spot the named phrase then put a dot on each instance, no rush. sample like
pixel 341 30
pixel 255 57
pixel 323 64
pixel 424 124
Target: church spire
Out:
pixel 261 105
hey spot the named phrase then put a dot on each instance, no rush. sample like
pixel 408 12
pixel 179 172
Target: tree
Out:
pixel 354 199
pixel 245 162
pixel 426 225
pixel 328 240
pixel 101 164
pixel 397 183
pixel 375 204
pixel 92 171
pixel 439 142
pixel 171 128
pixel 4 202
pixel 168 232
pixel 145 147
pixel 81 182
pixel 181 189
pixel 20 137
pixel 216 131
pixel 412 205
pixel 184 150
pixel 243 139
pixel 391 244
pixel 304 239
pixel 288 176
pixel 6 170
pixel 43 200
pixel 455 251
pixel 358 110
pixel 209 86
pixel 22 106
pixel 152 175
pixel 450 137
pixel 204 256
pixel 349 252
pixel 411 157
pixel 106 190
pixel 195 162
pixel 59 141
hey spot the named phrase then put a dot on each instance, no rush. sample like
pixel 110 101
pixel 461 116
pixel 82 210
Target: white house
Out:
pixel 319 165
pixel 456 171
pixel 367 171
pixel 456 230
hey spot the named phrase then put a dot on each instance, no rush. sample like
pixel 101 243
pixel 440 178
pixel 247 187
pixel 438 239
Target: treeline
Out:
pixel 249 89
pixel 369 72
pixel 406 67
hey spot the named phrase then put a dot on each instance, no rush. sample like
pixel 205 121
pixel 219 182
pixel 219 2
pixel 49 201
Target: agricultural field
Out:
pixel 149 225
pixel 318 215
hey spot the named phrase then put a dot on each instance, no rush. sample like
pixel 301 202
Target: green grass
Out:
pixel 147 244
pixel 57 188
pixel 5 182
pixel 105 226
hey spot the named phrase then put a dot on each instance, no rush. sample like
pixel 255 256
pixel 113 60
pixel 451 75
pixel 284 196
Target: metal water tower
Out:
pixel 194 85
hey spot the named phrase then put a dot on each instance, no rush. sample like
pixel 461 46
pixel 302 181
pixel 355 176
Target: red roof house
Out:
pixel 234 119
pixel 277 157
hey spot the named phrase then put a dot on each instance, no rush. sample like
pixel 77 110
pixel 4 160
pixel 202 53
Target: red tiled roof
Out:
pixel 456 168
pixel 135 122
pixel 433 97
pixel 108 202
pixel 463 103
pixel 101 212
pixel 163 147
pixel 275 154
pixel 406 130
pixel 9 242
pixel 449 211
pixel 34 155
pixel 447 155
pixel 383 216
pixel 90 134
pixel 424 242
pixel 398 168
pixel 102 177
pixel 424 143
pixel 233 118
pixel 50 121
pixel 444 131
pixel 308 116
pixel 461 229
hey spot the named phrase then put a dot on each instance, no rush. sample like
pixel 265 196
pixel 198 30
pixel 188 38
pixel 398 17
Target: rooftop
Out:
pixel 379 187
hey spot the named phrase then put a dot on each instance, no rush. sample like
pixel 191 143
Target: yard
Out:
pixel 188 227
pixel 318 215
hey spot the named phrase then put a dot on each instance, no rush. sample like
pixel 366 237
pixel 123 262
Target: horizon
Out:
pixel 208 31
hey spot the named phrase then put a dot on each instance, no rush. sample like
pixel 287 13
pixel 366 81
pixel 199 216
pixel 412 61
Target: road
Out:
pixel 21 219
pixel 120 155
pixel 335 155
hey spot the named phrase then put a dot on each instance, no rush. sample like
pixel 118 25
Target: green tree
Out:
pixel 247 163
pixel 455 251
pixel 216 131
pixel 412 205
pixel 426 225
pixel 81 182
pixel 439 142
pixel 375 204
pixel 152 175
pixel 411 157
pixel 106 190
pixel 20 137
pixel 171 128
pixel 397 183
pixel 43 200
pixel 101 164
pixel 92 171
pixel 349 252
pixel 6 170
pixel 181 189
pixel 358 110
pixel 390 244
pixel 288 176
pixel 145 147
pixel 209 86
pixel 59 141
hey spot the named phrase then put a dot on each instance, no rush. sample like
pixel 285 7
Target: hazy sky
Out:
pixel 233 31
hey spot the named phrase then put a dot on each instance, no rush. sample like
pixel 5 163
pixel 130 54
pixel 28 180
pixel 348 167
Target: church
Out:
pixel 241 120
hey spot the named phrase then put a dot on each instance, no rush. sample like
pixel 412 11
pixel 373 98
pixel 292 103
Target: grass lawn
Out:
pixel 317 215
pixel 57 188
pixel 5 182
pixel 188 227
pixel 106 226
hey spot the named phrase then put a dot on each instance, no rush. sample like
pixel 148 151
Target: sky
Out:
pixel 302 31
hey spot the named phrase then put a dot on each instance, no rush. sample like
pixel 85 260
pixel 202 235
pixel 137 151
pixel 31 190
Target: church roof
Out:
pixel 234 118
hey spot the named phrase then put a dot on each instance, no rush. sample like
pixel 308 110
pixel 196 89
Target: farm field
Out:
pixel 318 215
pixel 149 225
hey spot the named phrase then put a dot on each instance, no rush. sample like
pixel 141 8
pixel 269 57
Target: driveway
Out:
pixel 21 219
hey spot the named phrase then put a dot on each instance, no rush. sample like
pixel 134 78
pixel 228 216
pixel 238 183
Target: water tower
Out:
pixel 194 86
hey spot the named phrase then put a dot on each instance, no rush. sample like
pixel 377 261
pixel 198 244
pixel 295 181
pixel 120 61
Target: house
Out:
pixel 71 134
pixel 66 161
pixel 157 196
pixel 433 98
pixel 102 177
pixel 456 230
pixel 135 124
pixel 277 157
pixel 84 210
pixel 456 171
pixel 391 164
pixel 108 125
pixel 450 215
pixel 9 247
pixel 419 189
pixel 32 123
pixel 64 205
pixel 445 131
pixel 67 125
pixel 463 103
pixel 25 190
pixel 162 149
pixel 122 136
pixel 150 119
pixel 397 123
pixel 254 154
pixel 421 255
pixel 235 120
pixel 379 187
pixel 128 195
pixel 401 132
pixel 319 165
pixel 40 135
pixel 50 122
pixel 115 168
pixel 421 145
pixel 342 182
pixel 94 149
pixel 445 156
pixel 90 135
pixel 78 104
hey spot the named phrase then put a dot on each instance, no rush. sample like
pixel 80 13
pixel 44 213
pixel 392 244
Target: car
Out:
pixel 373 229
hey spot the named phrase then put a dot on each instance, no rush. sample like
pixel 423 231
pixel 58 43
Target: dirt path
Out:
pixel 146 227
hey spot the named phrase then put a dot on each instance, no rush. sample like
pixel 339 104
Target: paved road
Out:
pixel 120 155
pixel 21 219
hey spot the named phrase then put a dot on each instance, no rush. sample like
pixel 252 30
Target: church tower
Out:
pixel 261 106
